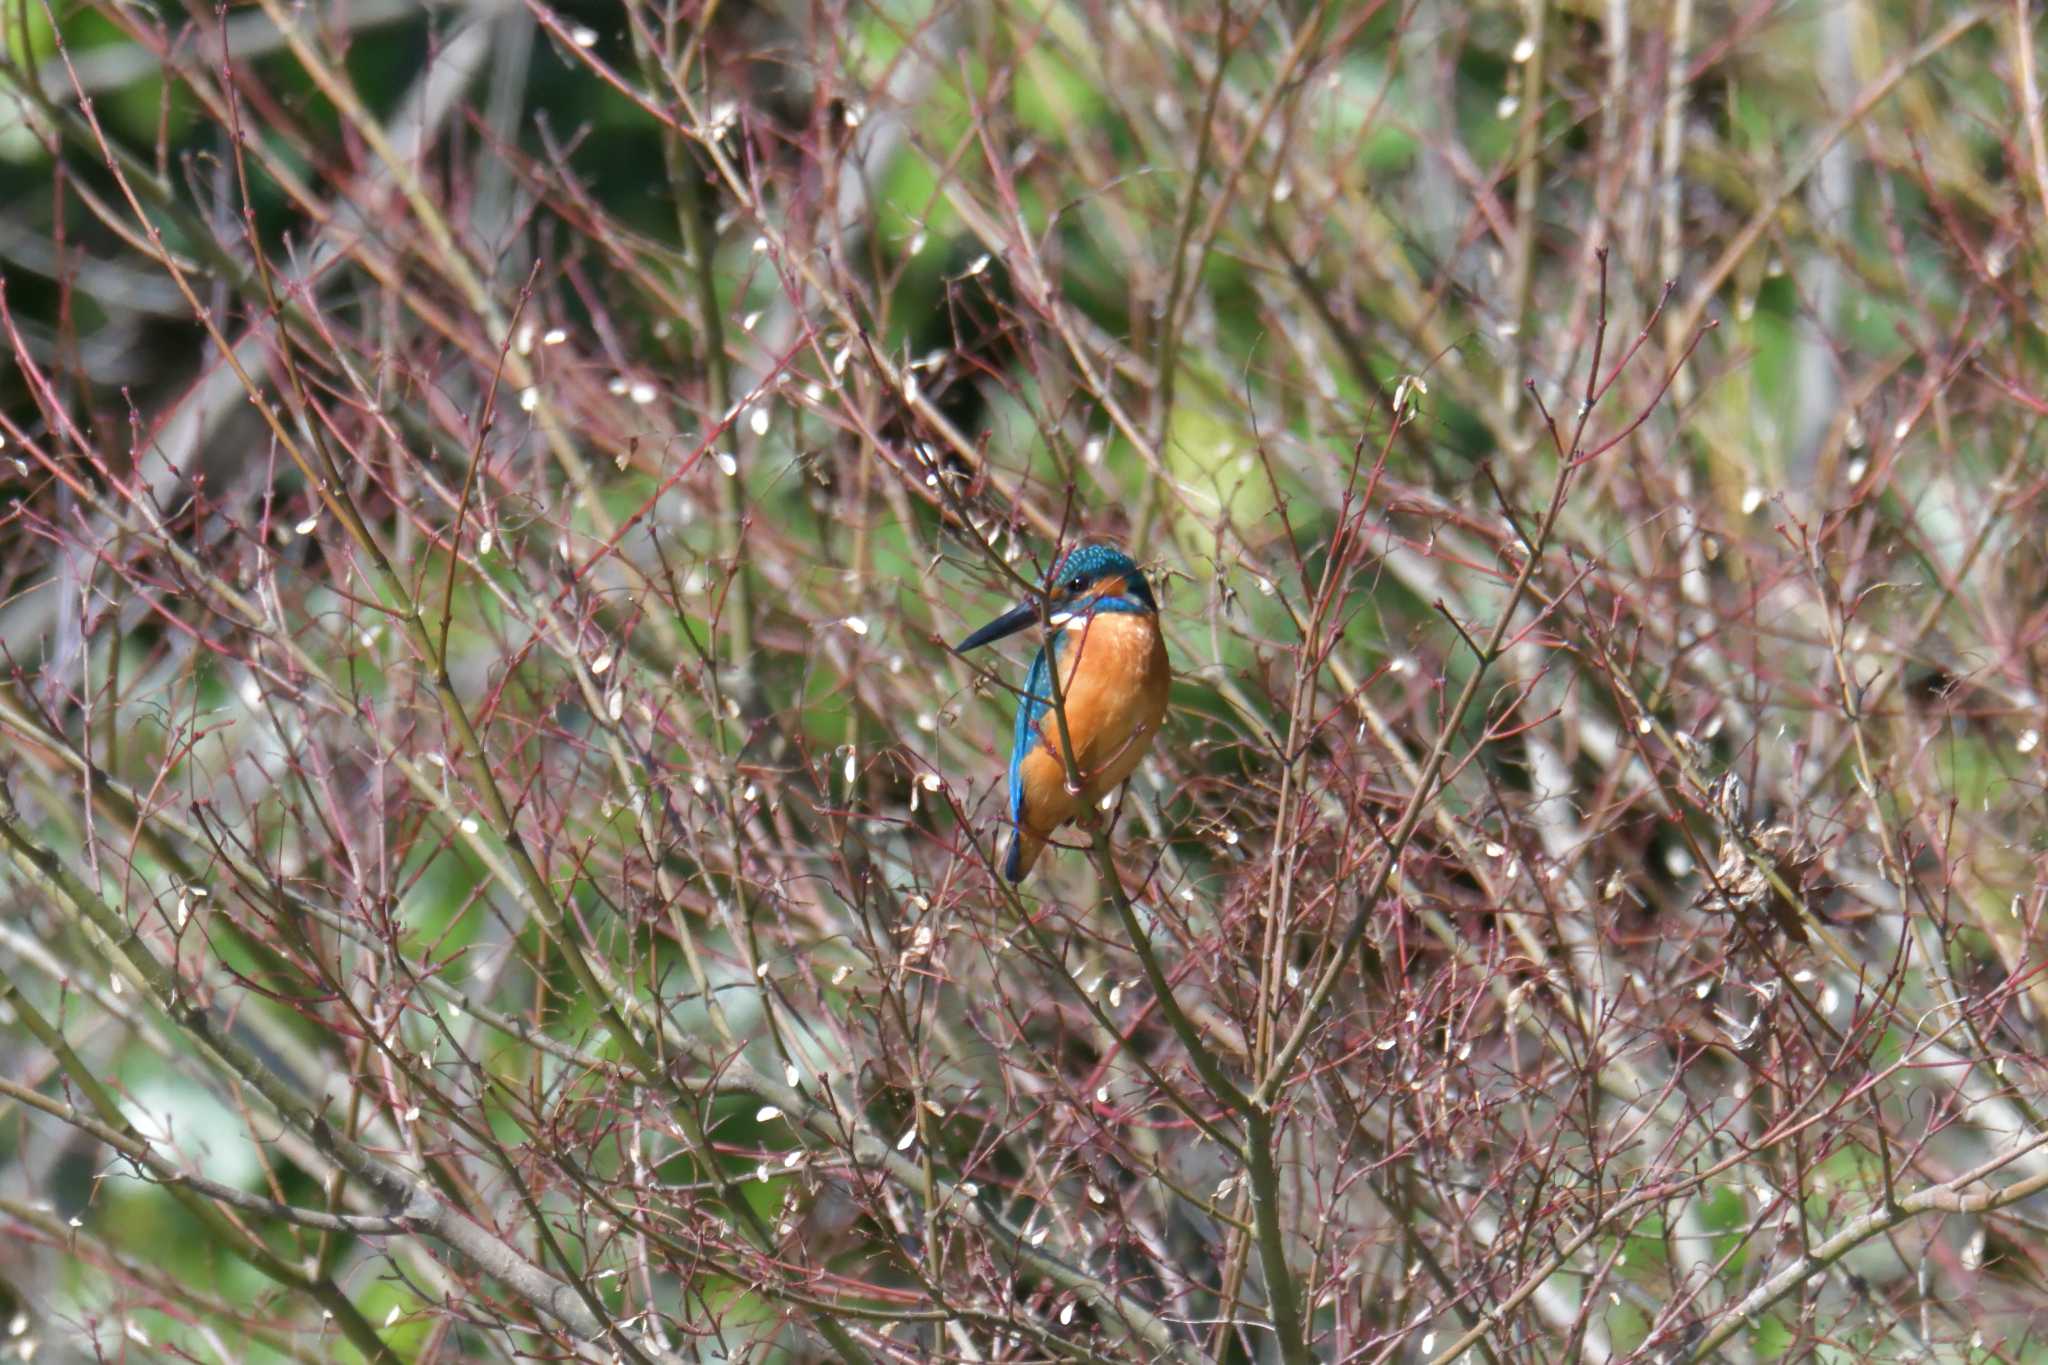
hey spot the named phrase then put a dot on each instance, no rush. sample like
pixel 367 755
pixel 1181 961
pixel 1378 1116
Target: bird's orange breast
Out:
pixel 1114 680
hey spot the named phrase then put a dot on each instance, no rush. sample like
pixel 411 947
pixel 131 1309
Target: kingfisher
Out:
pixel 1113 681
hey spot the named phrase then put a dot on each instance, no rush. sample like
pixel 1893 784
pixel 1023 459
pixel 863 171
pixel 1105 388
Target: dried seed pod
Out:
pixel 1740 884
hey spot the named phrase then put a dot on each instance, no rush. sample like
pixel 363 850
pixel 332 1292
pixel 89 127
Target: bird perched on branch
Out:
pixel 1113 678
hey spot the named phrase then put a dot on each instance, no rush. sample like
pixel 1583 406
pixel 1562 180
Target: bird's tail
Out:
pixel 1024 850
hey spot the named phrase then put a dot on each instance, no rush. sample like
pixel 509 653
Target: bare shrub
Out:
pixel 500 860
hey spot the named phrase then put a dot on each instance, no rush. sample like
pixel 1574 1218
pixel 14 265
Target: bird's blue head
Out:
pixel 1090 579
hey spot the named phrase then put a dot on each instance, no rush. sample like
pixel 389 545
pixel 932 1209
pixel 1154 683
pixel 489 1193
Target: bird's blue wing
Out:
pixel 1031 709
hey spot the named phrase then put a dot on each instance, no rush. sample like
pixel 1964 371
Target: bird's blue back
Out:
pixel 1031 709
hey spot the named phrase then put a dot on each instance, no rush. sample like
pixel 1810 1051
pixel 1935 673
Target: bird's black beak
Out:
pixel 1009 623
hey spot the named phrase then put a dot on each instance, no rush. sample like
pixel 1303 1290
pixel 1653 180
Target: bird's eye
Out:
pixel 1076 583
